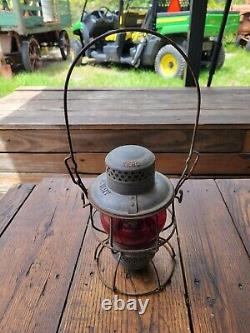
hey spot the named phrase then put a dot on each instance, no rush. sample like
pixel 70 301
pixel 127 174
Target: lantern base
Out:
pixel 117 275
pixel 134 261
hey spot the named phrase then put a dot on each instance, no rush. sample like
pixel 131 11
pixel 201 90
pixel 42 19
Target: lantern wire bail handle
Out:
pixel 193 155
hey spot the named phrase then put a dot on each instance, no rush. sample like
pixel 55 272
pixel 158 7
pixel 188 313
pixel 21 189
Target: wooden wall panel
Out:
pixel 157 140
pixel 246 147
pixel 32 122
pixel 93 163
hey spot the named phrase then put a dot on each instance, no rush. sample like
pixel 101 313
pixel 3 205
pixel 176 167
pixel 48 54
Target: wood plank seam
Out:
pixel 72 276
pixel 232 219
pixel 83 312
pixel 217 293
pixel 57 228
pixel 184 278
pixel 217 270
pixel 18 209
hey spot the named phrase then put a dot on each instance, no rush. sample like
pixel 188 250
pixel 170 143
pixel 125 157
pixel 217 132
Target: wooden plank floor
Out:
pixel 49 281
pixel 33 138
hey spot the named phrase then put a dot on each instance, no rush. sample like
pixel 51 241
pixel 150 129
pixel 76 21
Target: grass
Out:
pixel 235 72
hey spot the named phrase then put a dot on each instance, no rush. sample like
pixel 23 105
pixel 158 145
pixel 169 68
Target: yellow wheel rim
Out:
pixel 168 65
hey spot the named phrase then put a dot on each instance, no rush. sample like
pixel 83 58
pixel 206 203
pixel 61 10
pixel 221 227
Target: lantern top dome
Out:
pixel 130 187
pixel 130 158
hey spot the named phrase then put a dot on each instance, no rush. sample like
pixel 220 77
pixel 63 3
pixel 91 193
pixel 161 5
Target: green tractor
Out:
pixel 171 18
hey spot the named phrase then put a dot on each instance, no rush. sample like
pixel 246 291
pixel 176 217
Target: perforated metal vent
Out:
pixel 130 176
pixel 130 186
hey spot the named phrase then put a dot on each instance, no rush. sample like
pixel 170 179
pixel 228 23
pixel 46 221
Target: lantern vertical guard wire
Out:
pixel 190 163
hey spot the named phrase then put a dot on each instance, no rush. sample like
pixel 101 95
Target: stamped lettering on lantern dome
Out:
pixel 131 164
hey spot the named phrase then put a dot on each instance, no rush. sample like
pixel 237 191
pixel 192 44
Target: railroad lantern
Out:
pixel 132 204
pixel 132 200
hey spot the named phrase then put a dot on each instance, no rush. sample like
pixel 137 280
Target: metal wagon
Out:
pixel 28 25
pixel 243 38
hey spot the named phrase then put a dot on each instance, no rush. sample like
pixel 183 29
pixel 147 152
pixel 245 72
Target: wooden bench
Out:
pixel 49 281
pixel 33 139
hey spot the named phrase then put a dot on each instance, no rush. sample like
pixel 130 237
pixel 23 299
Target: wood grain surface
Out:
pixel 236 194
pixel 247 142
pixel 92 141
pixel 94 163
pixel 126 107
pixel 32 124
pixel 12 202
pixel 49 280
pixel 166 312
pixel 42 242
pixel 216 265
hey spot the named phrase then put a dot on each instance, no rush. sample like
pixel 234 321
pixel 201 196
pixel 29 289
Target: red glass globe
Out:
pixel 135 233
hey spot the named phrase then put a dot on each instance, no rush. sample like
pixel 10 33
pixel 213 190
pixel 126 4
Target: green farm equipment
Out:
pixel 28 25
pixel 171 18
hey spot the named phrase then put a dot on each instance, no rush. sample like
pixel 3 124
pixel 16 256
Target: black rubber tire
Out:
pixel 169 49
pixel 238 41
pixel 248 46
pixel 31 54
pixel 76 47
pixel 221 57
pixel 64 44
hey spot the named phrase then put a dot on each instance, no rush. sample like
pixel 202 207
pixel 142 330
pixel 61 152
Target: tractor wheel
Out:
pixel 221 58
pixel 64 44
pixel 31 54
pixel 76 47
pixel 169 62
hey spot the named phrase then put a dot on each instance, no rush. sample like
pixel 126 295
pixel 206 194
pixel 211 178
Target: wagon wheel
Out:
pixel 248 46
pixel 31 54
pixel 64 44
pixel 76 47
pixel 238 41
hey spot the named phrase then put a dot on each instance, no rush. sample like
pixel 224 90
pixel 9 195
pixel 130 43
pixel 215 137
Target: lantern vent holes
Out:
pixel 130 176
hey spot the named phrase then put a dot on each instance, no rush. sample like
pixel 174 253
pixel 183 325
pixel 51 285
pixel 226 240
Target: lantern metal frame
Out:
pixel 159 242
pixel 190 164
